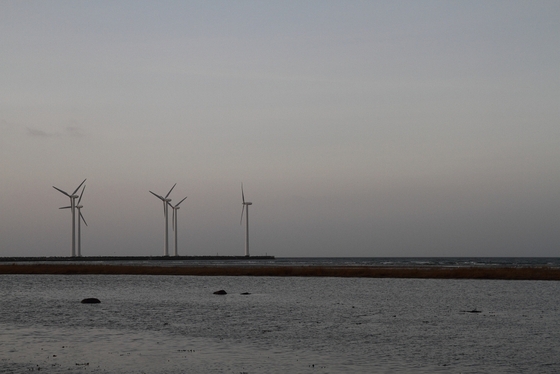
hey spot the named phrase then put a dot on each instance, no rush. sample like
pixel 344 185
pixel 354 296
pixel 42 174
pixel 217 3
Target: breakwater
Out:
pixel 131 258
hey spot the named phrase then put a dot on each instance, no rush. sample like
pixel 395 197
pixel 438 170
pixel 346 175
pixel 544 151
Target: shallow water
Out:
pixel 174 324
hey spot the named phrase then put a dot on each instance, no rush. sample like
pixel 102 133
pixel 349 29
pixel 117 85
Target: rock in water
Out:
pixel 91 300
pixel 220 292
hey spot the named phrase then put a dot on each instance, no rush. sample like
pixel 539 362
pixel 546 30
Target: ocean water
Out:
pixel 175 324
pixel 412 261
pixel 330 261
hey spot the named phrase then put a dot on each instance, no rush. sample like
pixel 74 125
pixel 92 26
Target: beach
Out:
pixel 170 324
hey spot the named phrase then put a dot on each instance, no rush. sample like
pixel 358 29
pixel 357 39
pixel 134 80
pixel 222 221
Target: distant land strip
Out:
pixel 131 258
pixel 504 273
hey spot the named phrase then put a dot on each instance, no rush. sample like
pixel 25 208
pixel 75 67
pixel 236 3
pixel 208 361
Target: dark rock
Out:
pixel 91 300
pixel 220 292
pixel 246 293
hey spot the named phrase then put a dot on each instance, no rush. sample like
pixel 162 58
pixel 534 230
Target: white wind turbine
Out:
pixel 245 208
pixel 73 198
pixel 80 218
pixel 174 222
pixel 165 210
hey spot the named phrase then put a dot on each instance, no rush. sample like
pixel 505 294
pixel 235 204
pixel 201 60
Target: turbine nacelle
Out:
pixel 176 206
pixel 164 199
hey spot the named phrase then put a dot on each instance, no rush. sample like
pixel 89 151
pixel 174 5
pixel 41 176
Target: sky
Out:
pixel 358 128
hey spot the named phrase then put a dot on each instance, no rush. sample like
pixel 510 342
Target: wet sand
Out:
pixel 505 273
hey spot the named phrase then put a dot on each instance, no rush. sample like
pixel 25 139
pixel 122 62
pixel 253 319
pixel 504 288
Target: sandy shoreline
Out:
pixel 506 273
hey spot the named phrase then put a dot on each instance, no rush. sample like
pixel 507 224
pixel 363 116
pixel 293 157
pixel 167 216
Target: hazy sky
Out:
pixel 358 128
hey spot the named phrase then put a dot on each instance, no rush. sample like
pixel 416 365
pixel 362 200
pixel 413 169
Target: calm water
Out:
pixel 174 324
pixel 344 261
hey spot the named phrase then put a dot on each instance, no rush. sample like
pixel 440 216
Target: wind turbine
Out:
pixel 245 208
pixel 174 224
pixel 165 210
pixel 80 218
pixel 73 198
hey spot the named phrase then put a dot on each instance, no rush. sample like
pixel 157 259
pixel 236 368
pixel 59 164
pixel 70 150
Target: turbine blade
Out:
pixel 65 207
pixel 164 206
pixel 173 220
pixel 156 195
pixel 82 194
pixel 76 190
pixel 58 189
pixel 170 190
pixel 242 194
pixel 242 211
pixel 176 205
pixel 82 217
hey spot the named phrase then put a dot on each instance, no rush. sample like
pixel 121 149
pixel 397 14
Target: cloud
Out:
pixel 74 131
pixel 36 133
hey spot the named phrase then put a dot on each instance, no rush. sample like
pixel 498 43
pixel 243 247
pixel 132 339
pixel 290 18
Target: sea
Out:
pixel 176 324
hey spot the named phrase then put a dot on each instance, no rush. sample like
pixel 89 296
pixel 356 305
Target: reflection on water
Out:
pixel 174 324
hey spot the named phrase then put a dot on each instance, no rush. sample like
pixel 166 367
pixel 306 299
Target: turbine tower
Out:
pixel 73 198
pixel 174 222
pixel 244 209
pixel 165 200
pixel 80 218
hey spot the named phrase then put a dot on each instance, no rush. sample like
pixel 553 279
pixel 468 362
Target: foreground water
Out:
pixel 175 324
